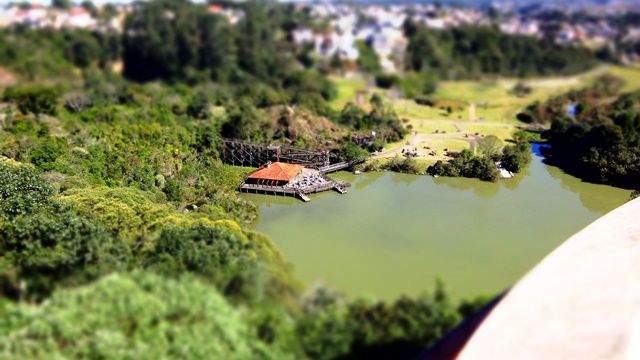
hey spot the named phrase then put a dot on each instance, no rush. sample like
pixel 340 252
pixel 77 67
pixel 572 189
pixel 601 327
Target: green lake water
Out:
pixel 394 234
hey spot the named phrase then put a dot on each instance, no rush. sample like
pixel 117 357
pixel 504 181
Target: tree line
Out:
pixel 594 132
pixel 472 51
pixel 482 165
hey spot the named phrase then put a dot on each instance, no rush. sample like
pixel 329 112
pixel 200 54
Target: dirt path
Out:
pixel 472 112
pixel 6 78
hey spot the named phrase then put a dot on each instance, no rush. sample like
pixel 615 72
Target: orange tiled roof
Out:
pixel 214 9
pixel 277 171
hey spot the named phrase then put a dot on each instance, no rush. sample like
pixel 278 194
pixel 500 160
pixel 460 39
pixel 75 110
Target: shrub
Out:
pixel 516 157
pixel 425 100
pixel 36 100
pixel 54 247
pixel 386 81
pixel 135 316
pixel 489 146
pixel 174 190
pixel 405 165
pixel 521 89
pixel 21 189
pixel 199 107
pixel 224 256
pixel 467 165
pixel 352 152
pixel 77 102
pixel 45 155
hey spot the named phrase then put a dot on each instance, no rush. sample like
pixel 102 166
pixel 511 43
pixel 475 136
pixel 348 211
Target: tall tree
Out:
pixel 218 51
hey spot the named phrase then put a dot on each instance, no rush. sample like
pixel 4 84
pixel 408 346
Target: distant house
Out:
pixel 79 17
pixel 275 174
pixel 342 45
pixel 214 9
pixel 302 36
pixel 34 16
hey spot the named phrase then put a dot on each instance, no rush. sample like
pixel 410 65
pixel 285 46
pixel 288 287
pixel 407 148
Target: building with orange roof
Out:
pixel 275 174
pixel 214 9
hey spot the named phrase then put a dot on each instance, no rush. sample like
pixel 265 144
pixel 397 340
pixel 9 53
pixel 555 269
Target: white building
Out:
pixel 79 17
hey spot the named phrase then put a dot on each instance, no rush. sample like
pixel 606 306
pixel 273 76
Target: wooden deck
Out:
pixel 301 194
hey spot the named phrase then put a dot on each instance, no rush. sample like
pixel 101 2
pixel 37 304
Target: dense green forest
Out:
pixel 594 133
pixel 121 232
pixel 470 52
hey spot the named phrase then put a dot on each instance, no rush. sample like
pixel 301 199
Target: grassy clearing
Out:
pixel 631 76
pixel 407 108
pixel 396 144
pixel 347 90
pixel 490 102
pixel 501 131
pixel 442 144
pixel 423 126
pixel 493 98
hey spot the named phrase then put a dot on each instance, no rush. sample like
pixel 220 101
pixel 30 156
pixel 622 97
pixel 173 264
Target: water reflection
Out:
pixel 592 196
pixel 482 189
pixel 406 179
pixel 362 180
pixel 589 194
pixel 514 182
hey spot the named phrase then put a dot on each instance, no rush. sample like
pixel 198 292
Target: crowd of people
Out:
pixel 309 180
pixel 410 152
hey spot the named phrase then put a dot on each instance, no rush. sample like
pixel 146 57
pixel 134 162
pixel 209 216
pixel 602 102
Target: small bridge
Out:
pixel 336 167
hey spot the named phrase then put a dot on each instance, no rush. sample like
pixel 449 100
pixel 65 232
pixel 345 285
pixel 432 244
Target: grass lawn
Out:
pixel 347 90
pixel 448 143
pixel 495 106
pixel 501 131
pixel 493 98
pixel 392 145
pixel 630 74
pixel 407 108
pixel 430 126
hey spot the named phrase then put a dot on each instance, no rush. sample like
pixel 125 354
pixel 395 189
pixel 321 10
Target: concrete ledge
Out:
pixel 580 302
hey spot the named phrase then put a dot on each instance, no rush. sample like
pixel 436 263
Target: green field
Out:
pixel 347 90
pixel 492 97
pixel 485 107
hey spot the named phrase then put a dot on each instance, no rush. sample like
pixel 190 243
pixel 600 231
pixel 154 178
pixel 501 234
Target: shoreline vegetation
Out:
pixel 493 161
pixel 593 133
pixel 121 231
